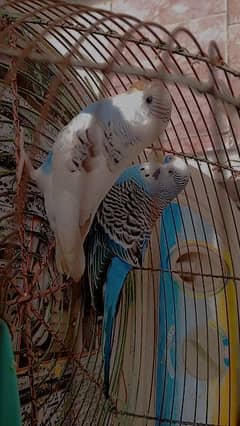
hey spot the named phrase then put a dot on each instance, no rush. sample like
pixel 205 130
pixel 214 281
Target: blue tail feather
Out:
pixel 116 275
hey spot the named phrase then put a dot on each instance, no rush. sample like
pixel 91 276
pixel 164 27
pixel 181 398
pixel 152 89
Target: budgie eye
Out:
pixel 170 171
pixel 168 158
pixel 149 99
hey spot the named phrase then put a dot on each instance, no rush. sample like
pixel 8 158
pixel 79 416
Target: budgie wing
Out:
pixel 126 217
pixel 69 185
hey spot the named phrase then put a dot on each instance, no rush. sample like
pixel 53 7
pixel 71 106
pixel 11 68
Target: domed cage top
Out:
pixel 176 340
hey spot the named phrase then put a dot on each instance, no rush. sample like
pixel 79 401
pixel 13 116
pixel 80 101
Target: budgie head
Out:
pixel 146 107
pixel 165 181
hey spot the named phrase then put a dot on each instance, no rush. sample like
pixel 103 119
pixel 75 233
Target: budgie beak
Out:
pixel 138 85
pixel 144 84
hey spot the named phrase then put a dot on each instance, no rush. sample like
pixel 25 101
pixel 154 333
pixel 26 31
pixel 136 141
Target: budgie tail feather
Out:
pixel 98 258
pixel 116 276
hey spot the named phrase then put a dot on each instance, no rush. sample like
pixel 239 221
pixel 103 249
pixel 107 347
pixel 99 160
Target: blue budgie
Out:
pixel 88 156
pixel 120 234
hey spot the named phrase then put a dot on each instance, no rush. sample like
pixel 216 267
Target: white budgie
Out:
pixel 88 156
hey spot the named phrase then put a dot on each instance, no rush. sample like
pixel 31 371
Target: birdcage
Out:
pixel 176 341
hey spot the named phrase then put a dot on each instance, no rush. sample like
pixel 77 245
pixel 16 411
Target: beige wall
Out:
pixel 207 19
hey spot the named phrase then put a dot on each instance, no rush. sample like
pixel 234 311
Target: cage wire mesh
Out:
pixel 176 340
